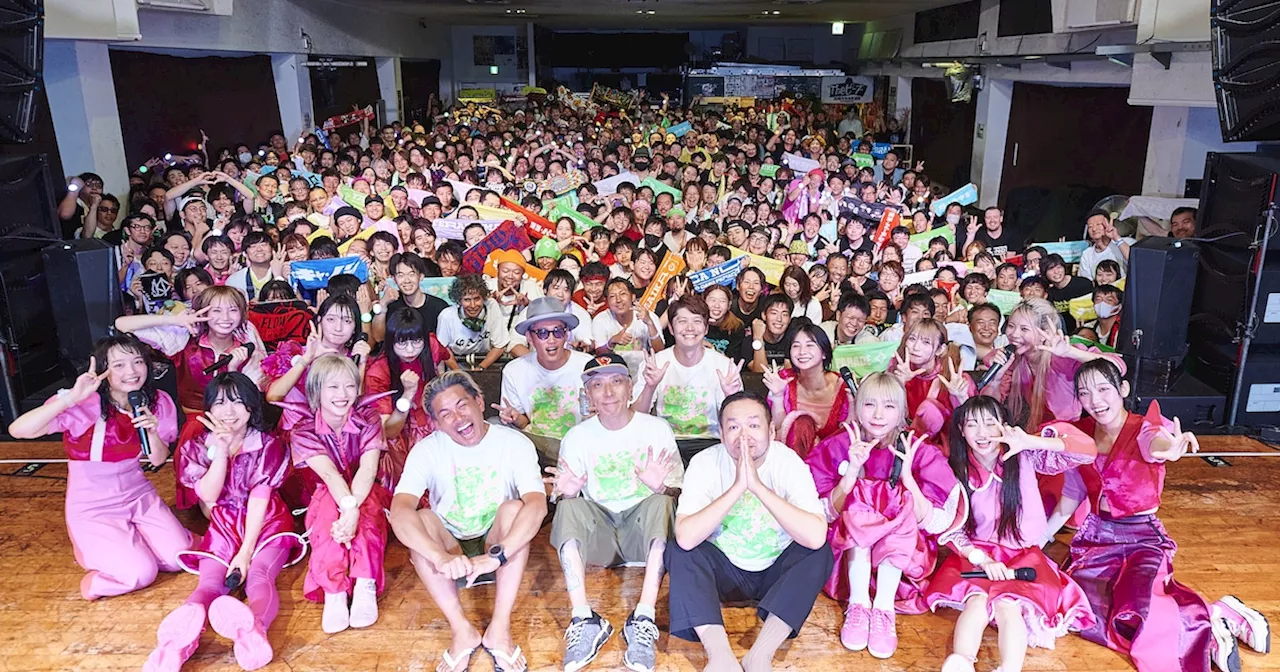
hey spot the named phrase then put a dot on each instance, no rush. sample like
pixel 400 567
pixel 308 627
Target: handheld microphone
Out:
pixel 224 360
pixel 847 375
pixel 138 401
pixel 995 371
pixel 1019 574
pixel 364 338
pixel 234 580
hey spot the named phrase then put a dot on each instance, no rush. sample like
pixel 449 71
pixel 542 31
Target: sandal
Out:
pixel 507 662
pixel 450 664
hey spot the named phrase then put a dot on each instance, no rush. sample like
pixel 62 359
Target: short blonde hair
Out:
pixel 322 369
pixel 883 385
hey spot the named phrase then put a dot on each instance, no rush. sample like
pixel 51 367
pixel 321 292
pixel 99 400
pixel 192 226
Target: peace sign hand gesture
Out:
pixel 508 414
pixel 1016 440
pixel 910 444
pixel 653 374
pixel 190 319
pixel 859 450
pixel 653 471
pixel 773 379
pixel 905 373
pixel 86 384
pixel 1055 343
pixel 220 437
pixel 1179 442
pixel 731 381
pixel 956 382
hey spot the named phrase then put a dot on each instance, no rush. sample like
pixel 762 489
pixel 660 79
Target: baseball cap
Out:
pixel 605 362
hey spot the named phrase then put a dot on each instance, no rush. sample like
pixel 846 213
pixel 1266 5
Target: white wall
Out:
pixel 90 20
pixel 466 72
pixel 1204 135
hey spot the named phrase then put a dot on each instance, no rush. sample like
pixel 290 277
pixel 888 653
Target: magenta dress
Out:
pixel 800 427
pixel 334 567
pixel 1051 605
pixel 257 471
pixel 880 515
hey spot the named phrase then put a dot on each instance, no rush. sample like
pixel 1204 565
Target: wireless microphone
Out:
pixel 847 375
pixel 1019 574
pixel 224 360
pixel 233 580
pixel 995 371
pixel 138 401
pixel 364 338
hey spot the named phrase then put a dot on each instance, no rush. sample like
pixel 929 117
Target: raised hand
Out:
pixel 773 379
pixel 220 437
pixel 653 471
pixel 653 373
pixel 563 480
pixel 86 384
pixel 1015 439
pixel 1055 343
pixel 910 445
pixel 1179 443
pixel 361 349
pixel 731 381
pixel 859 450
pixel 955 381
pixel 190 319
pixel 905 373
pixel 409 381
pixel 972 227
pixel 508 414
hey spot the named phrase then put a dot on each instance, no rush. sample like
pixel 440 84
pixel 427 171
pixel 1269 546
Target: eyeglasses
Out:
pixel 544 334
pixel 111 210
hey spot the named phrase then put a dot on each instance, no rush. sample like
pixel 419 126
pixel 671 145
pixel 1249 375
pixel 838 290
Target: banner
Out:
pixel 966 195
pixel 720 274
pixel 460 190
pixel 660 188
pixel 880 149
pixel 477 95
pixel 680 129
pixel 798 164
pixel 614 97
pixel 451 229
pixel 865 359
pixel 888 221
pixel 871 212
pixel 280 321
pixel 671 266
pixel 919 277
pixel 417 195
pixel 1082 309
pixel 769 169
pixel 609 185
pixel 348 119
pixel 438 287
pixel 772 268
pixel 1081 340
pixel 508 236
pixel 847 90
pixel 314 274
pixel 1070 250
pixel 864 160
pixel 1005 300
pixel 538 225
pixel 581 222
pixel 921 240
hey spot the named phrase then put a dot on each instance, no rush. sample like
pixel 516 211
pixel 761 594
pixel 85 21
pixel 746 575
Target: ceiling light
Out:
pixel 776 12
pixel 837 27
pixel 650 12
pixel 493 69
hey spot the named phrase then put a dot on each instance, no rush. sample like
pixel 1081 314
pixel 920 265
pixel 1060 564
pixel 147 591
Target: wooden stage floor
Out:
pixel 1226 520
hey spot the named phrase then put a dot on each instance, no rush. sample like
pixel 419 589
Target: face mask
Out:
pixel 953 219
pixel 1105 310
pixel 245 158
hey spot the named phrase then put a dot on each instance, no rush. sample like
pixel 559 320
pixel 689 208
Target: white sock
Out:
pixel 583 612
pixel 367 586
pixel 860 577
pixel 646 610
pixel 887 579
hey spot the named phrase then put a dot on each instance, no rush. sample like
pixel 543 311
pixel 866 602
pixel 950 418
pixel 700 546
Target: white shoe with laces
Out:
pixel 364 603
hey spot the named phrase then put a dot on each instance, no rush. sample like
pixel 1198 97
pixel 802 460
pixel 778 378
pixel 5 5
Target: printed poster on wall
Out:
pixel 847 90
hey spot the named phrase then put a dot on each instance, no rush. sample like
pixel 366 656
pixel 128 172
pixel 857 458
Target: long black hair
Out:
pixel 235 386
pixel 130 344
pixel 348 303
pixel 1010 492
pixel 403 325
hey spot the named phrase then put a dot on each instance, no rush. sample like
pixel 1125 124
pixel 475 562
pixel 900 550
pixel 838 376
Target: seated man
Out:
pixel 750 527
pixel 625 327
pixel 487 503
pixel 540 391
pixel 619 475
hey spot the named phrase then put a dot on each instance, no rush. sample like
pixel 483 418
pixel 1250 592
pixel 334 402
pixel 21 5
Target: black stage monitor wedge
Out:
pixel 1157 298
pixel 85 296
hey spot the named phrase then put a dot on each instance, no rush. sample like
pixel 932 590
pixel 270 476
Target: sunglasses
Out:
pixel 544 334
pixel 102 209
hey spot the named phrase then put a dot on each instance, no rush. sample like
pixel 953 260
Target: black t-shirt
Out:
pixel 847 249
pixel 1061 298
pixel 774 353
pixel 724 342
pixel 429 310
pixel 747 318
pixel 74 223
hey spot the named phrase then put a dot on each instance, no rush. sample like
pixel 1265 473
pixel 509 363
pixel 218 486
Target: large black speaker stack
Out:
pixel 1246 67
pixel 21 56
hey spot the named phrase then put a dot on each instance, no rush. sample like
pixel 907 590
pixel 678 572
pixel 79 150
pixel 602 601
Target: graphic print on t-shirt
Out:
pixel 615 477
pixel 475 500
pixel 748 533
pixel 553 411
pixel 684 406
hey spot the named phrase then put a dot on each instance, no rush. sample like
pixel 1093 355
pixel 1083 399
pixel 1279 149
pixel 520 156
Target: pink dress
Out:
pixel 930 403
pixel 123 533
pixel 801 429
pixel 334 567
pixel 880 515
pixel 1052 604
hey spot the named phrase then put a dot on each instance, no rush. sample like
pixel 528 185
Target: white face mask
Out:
pixel 245 158
pixel 953 219
pixel 1105 310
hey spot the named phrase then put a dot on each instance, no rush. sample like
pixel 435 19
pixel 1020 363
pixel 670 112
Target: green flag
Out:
pixel 864 359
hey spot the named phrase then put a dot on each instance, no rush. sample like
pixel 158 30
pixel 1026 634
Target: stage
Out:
pixel 1226 520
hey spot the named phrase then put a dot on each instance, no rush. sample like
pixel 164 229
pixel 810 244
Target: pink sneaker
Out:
pixel 1246 624
pixel 884 634
pixel 857 625
pixel 232 619
pixel 176 639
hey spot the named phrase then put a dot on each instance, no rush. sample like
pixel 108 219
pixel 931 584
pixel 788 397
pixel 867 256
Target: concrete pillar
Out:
pixel 532 59
pixel 293 94
pixel 390 87
pixel 86 118
pixel 990 130
pixel 1161 177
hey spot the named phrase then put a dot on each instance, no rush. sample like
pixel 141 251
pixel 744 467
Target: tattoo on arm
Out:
pixel 572 578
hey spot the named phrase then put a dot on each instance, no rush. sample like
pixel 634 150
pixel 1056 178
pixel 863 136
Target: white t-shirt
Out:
pixel 811 310
pixel 463 341
pixel 609 459
pixel 1090 257
pixel 604 327
pixel 468 483
pixel 688 397
pixel 749 535
pixel 549 398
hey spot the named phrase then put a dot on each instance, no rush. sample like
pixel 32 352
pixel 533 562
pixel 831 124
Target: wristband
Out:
pixel 403 405
pixel 377 308
pixel 977 557
pixel 366 317
pixel 348 503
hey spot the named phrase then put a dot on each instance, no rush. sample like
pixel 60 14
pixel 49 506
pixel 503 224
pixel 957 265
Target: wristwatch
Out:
pixel 377 308
pixel 366 317
pixel 403 405
pixel 496 552
pixel 757 344
pixel 348 503
pixel 977 557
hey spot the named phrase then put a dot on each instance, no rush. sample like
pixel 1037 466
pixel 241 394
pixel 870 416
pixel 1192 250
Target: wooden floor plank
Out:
pixel 1226 521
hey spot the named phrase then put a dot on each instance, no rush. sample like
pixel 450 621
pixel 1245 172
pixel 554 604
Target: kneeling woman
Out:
pixel 235 467
pixel 1001 535
pixel 122 531
pixel 341 443
pixel 1123 557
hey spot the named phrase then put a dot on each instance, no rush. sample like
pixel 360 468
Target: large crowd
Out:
pixel 931 397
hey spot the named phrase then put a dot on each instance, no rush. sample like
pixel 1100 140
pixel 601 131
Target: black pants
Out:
pixel 700 579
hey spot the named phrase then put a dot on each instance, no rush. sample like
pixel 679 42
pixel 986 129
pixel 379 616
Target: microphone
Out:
pixel 1019 574
pixel 847 375
pixel 364 338
pixel 224 360
pixel 995 371
pixel 138 401
pixel 234 580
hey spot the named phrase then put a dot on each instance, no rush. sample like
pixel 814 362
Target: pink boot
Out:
pixel 176 639
pixel 883 640
pixel 232 619
pixel 857 625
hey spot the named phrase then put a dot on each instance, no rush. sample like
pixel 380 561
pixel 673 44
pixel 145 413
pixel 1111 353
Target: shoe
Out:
pixel 883 640
pixel 1225 654
pixel 176 639
pixel 364 604
pixel 232 619
pixel 957 663
pixel 1246 624
pixel 641 634
pixel 336 616
pixel 583 640
pixel 857 627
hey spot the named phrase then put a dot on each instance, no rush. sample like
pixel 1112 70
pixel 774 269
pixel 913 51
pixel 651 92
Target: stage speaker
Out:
pixel 85 296
pixel 21 63
pixel 1246 67
pixel 1157 298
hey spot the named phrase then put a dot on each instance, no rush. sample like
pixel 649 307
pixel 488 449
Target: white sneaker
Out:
pixel 364 603
pixel 1226 653
pixel 336 617
pixel 1248 625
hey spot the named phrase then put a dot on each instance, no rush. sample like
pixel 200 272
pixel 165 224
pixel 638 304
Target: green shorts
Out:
pixel 608 539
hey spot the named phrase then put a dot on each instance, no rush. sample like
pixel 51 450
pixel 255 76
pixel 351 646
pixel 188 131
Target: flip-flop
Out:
pixel 452 663
pixel 506 662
